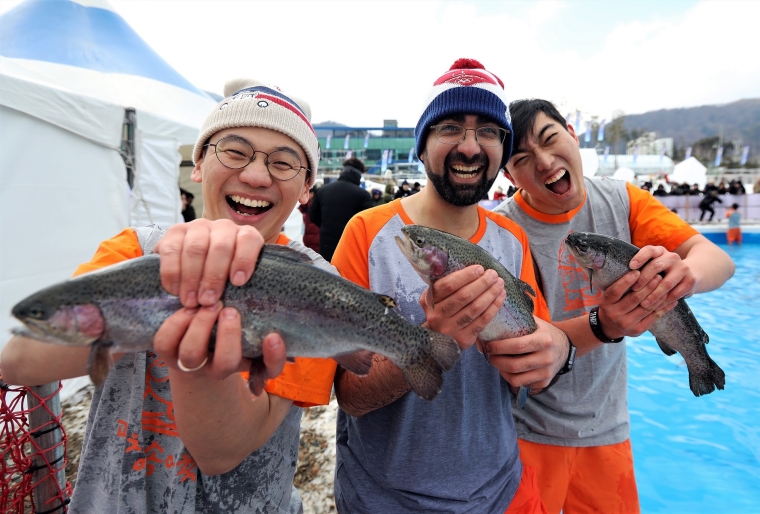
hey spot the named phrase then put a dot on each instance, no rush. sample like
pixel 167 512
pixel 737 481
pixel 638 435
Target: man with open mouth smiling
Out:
pixel 577 433
pixel 396 452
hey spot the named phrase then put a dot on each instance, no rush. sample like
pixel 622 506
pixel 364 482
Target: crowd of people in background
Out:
pixel 734 187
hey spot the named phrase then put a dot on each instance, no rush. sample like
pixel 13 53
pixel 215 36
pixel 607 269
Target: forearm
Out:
pixel 30 362
pixel 220 421
pixel 711 266
pixel 579 331
pixel 384 384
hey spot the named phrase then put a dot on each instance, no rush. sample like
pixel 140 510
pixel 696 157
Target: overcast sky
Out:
pixel 360 62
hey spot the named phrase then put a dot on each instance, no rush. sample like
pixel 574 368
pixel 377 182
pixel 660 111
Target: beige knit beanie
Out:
pixel 251 103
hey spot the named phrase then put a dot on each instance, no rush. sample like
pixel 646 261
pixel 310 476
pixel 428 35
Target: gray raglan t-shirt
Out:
pixel 455 454
pixel 134 462
pixel 589 406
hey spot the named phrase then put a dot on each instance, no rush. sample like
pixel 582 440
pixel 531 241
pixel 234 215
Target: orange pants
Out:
pixel 734 235
pixel 527 498
pixel 596 479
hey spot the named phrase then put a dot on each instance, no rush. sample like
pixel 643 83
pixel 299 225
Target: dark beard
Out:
pixel 460 195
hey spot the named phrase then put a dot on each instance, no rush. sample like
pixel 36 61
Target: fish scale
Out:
pixel 606 260
pixel 318 314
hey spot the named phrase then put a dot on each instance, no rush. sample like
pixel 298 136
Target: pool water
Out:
pixel 702 455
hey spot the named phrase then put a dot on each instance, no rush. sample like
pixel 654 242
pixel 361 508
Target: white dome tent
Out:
pixel 69 73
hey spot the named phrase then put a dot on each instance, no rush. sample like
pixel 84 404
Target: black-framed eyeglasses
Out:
pixel 452 134
pixel 237 153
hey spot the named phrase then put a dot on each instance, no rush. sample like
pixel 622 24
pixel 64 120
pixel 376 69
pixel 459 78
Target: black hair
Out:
pixel 355 163
pixel 524 113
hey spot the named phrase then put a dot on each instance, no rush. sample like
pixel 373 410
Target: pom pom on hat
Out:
pixel 466 88
pixel 252 103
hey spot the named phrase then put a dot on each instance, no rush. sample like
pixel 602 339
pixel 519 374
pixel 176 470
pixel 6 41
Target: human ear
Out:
pixel 197 174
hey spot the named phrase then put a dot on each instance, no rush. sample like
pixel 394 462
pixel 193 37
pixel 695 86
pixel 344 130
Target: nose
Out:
pixel 544 160
pixel 256 173
pixel 469 146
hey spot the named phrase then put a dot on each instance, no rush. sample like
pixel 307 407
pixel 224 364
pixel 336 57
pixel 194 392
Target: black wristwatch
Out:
pixel 568 367
pixel 596 327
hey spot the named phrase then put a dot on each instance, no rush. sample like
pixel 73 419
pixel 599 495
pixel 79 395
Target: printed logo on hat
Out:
pixel 466 77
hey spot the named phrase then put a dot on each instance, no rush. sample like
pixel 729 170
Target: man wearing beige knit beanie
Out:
pixel 177 430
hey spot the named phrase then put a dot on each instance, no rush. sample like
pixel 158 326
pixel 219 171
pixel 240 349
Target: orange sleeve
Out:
pixel 121 247
pixel 528 272
pixel 654 224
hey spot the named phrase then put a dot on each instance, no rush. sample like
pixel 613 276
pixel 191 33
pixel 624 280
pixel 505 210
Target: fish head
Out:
pixel 429 260
pixel 590 250
pixel 55 322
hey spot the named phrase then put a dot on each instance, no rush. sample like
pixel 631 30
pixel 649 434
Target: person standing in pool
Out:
pixel 576 433
pixel 734 234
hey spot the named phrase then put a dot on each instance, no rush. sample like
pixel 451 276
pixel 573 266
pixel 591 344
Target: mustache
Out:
pixel 477 159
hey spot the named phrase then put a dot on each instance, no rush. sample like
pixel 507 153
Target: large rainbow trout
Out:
pixel 435 254
pixel 606 260
pixel 318 314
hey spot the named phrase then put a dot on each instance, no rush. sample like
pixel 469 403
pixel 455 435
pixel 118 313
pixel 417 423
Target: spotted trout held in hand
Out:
pixel 606 259
pixel 435 254
pixel 318 314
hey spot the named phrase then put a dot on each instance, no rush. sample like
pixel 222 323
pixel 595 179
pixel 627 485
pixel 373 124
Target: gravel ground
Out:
pixel 316 456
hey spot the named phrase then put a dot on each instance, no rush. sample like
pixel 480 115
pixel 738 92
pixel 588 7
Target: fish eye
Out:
pixel 36 312
pixel 420 241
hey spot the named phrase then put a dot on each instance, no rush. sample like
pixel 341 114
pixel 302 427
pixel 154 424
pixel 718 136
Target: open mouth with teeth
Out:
pixel 248 207
pixel 559 183
pixel 465 172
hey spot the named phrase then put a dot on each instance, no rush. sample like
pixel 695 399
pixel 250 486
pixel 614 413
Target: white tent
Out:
pixel 626 174
pixel 68 72
pixel 690 171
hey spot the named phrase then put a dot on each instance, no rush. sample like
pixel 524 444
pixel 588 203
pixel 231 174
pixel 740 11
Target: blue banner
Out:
pixel 635 154
pixel 345 143
pixel 366 140
pixel 577 120
pixel 588 132
pixel 745 154
pixel 688 152
pixel 600 135
pixel 411 154
pixel 384 161
pixel 349 154
pixel 327 141
pixel 719 156
pixel 390 156
pixel 606 153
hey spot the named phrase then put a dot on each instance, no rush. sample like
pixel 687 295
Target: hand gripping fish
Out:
pixel 435 254
pixel 606 259
pixel 318 314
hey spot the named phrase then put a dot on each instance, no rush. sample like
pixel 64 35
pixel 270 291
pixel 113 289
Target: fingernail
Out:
pixel 239 278
pixel 191 298
pixel 229 313
pixel 208 297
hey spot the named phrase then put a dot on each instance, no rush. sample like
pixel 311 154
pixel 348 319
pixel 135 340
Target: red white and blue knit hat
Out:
pixel 251 103
pixel 467 88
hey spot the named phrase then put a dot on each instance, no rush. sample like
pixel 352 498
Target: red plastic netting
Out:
pixel 20 449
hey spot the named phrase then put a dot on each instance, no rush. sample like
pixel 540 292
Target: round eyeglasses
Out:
pixel 237 153
pixel 451 134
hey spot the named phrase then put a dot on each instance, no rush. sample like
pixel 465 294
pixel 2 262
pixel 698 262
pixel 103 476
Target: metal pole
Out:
pixel 47 434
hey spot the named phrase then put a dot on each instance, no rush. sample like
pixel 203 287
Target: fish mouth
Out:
pixel 247 206
pixel 558 182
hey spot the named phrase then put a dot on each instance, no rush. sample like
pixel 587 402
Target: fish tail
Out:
pixel 705 382
pixel 425 375
pixel 522 397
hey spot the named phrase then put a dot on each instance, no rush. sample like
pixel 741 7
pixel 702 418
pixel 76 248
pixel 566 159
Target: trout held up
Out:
pixel 318 314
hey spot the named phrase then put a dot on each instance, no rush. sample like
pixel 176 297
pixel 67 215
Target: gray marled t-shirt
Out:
pixel 133 460
pixel 588 407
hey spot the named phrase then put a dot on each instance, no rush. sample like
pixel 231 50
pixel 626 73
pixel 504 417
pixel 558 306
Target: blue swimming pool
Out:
pixel 702 455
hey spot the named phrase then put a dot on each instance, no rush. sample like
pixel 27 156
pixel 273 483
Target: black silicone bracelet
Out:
pixel 596 327
pixel 570 359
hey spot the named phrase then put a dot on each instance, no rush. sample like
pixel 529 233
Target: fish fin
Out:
pixel 284 252
pixel 291 359
pixel 527 292
pixel 358 362
pixel 522 397
pixel 257 377
pixel 425 376
pixel 590 280
pixel 99 363
pixel 706 381
pixel 387 301
pixel 667 350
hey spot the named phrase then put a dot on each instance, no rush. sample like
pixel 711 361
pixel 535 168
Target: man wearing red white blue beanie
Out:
pixel 457 454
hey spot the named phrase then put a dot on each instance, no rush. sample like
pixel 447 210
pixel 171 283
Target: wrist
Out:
pixel 596 327
pixel 570 361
